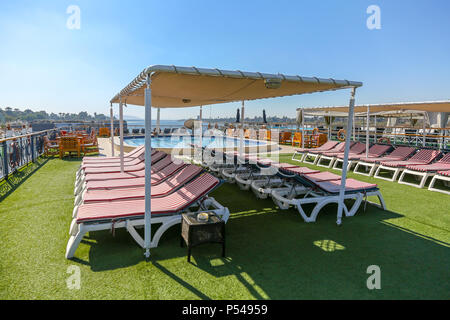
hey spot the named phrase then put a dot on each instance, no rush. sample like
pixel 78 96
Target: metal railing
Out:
pixel 19 151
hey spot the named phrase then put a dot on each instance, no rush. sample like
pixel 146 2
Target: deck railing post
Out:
pixel 32 148
pixel 5 160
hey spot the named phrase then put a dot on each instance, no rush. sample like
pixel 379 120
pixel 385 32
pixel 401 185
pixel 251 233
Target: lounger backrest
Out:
pixel 328 145
pixel 378 150
pixel 184 175
pixel 445 158
pixel 402 153
pixel 358 148
pixel 187 195
pixel 425 155
pixel 339 148
pixel 161 163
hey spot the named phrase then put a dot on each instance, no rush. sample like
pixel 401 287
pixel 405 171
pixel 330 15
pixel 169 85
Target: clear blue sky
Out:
pixel 44 65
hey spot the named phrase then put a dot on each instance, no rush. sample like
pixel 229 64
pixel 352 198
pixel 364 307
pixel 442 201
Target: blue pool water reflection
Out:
pixel 187 141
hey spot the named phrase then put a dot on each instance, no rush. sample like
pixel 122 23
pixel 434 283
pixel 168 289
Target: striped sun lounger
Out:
pixel 304 151
pixel 128 156
pixel 371 164
pixel 160 171
pixel 313 156
pixel 131 182
pixel 278 176
pixel 99 173
pixel 130 214
pixel 424 171
pixel 321 189
pixel 375 151
pixel 137 191
pixel 355 148
pixel 422 157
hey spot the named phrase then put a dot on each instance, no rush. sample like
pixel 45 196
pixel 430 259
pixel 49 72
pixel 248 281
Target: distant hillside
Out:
pixel 9 115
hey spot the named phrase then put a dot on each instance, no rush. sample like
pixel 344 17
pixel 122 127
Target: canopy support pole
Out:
pixel 303 130
pixel 376 130
pixel 368 132
pixel 121 135
pixel 330 128
pixel 241 142
pixel 158 118
pixel 200 135
pixel 148 168
pixel 423 128
pixel 345 163
pixel 353 127
pixel 111 113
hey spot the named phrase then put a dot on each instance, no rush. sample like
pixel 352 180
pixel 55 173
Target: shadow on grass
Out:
pixel 275 254
pixel 20 176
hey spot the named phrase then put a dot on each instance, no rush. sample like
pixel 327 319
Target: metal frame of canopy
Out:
pixel 187 88
pixel 386 110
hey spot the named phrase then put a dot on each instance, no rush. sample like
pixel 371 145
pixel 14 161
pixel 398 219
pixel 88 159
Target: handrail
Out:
pixel 27 135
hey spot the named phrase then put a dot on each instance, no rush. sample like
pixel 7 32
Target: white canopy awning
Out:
pixel 177 87
pixel 404 107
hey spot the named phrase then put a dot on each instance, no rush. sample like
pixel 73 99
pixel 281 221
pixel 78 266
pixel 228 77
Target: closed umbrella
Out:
pixel 264 116
pixel 238 116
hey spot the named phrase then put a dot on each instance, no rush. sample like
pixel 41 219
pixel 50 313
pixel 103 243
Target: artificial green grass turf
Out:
pixel 271 254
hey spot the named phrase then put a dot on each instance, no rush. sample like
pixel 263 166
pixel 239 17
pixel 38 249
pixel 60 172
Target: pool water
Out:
pixel 187 141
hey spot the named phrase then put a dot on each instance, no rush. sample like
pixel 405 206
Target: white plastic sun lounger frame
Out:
pixel 338 161
pixel 77 231
pixel 321 200
pixel 302 158
pixel 445 180
pixel 372 165
pixel 315 156
pixel 396 171
pixel 332 159
pixel 422 177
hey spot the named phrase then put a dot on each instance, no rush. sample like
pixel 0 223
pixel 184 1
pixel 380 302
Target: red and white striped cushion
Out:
pixel 430 167
pixel 445 159
pixel 127 179
pixel 170 204
pixel 424 156
pixel 127 157
pixel 322 176
pixel 161 189
pixel 127 168
pixel 351 185
pixel 325 147
pixel 299 170
pixel 444 173
pixel 282 165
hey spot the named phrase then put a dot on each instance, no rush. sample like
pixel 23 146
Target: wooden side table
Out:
pixel 194 232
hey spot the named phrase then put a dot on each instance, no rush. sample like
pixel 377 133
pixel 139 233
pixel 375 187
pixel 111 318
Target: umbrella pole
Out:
pixel 345 163
pixel 241 142
pixel 303 130
pixel 367 132
pixel 121 135
pixel 148 168
pixel 423 128
pixel 158 120
pixel 111 113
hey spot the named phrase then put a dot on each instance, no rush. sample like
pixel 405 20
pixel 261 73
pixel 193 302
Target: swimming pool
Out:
pixel 171 142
